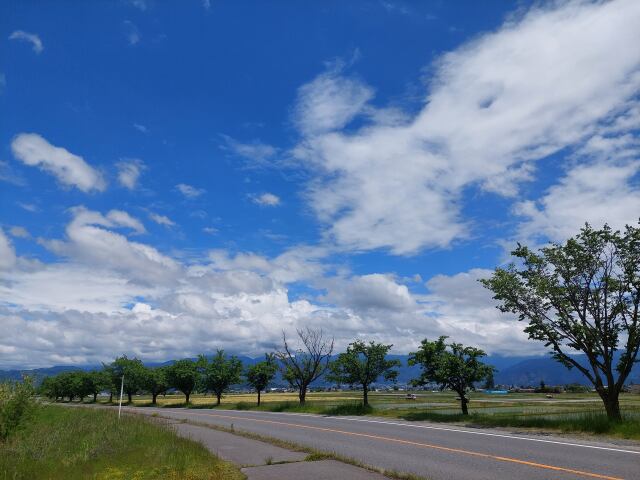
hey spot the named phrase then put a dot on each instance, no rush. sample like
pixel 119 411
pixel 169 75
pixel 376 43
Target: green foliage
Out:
pixel 451 366
pixel 583 295
pixel 134 371
pixel 260 374
pixel 220 373
pixel 362 364
pixel 156 382
pixel 183 375
pixel 17 405
pixel 78 443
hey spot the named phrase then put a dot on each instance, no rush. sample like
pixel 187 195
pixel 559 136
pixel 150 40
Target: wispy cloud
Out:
pixel 131 32
pixel 129 170
pixel 141 128
pixel 161 219
pixel 257 153
pixel 31 38
pixel 69 169
pixel 266 199
pixel 189 191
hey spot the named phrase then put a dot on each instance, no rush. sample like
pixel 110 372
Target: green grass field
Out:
pixel 73 443
pixel 570 412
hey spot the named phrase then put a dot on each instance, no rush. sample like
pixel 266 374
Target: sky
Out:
pixel 177 177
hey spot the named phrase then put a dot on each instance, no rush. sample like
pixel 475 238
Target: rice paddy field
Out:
pixel 426 404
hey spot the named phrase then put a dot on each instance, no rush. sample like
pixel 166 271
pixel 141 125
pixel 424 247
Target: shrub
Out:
pixel 17 405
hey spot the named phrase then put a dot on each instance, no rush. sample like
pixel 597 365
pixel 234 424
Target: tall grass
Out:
pixel 17 406
pixel 78 443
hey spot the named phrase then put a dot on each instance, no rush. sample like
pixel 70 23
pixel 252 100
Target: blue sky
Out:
pixel 176 177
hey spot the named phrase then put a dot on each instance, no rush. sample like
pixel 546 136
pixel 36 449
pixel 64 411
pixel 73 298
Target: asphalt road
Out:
pixel 431 450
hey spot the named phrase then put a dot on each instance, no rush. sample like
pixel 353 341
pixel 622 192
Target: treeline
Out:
pixel 451 366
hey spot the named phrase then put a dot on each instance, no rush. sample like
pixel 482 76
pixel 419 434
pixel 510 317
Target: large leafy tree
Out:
pixel 183 375
pixel 99 381
pixel 452 366
pixel 220 373
pixel 156 382
pixel 301 367
pixel 134 373
pixel 260 374
pixel 580 296
pixel 362 364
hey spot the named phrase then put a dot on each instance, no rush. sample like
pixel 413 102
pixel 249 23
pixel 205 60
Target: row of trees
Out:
pixel 452 366
pixel 582 296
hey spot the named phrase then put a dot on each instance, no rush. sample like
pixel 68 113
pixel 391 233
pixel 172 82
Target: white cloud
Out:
pixel 139 4
pixel 31 38
pixel 141 128
pixel 131 32
pixel 7 252
pixel 189 191
pixel 369 292
pixel 542 82
pixel 210 230
pixel 19 232
pixel 329 102
pixel 91 240
pixel 266 199
pixel 468 314
pixel 129 171
pixel 257 152
pixel 9 175
pixel 161 219
pixel 29 207
pixel 69 169
pixel 597 193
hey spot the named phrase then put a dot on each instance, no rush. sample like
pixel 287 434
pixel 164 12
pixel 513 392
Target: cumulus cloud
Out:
pixel 189 191
pixel 69 169
pixel 129 171
pixel 542 82
pixel 31 38
pixel 161 219
pixel 7 252
pixel 92 239
pixel 266 199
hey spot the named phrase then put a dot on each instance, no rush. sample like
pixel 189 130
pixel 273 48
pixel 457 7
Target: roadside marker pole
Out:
pixel 121 390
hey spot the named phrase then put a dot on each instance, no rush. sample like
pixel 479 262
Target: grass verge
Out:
pixel 78 443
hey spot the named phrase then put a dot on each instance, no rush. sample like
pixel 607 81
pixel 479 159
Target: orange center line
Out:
pixel 418 444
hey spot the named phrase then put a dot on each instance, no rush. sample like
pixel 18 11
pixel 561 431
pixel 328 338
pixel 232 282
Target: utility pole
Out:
pixel 121 390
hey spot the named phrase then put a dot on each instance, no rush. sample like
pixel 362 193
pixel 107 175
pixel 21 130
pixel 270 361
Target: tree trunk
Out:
pixel 463 403
pixel 129 395
pixel 365 396
pixel 302 395
pixel 154 397
pixel 110 397
pixel 218 397
pixel 187 398
pixel 611 405
pixel 95 397
pixel 258 397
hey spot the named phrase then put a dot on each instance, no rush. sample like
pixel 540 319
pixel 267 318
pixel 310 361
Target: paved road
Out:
pixel 435 451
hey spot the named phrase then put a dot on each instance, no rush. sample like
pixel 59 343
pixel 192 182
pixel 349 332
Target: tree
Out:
pixel 100 381
pixel 580 296
pixel 363 364
pixel 51 387
pixel 134 373
pixel 451 366
pixel 302 367
pixel 156 382
pixel 260 374
pixel 490 384
pixel 183 375
pixel 69 383
pixel 220 373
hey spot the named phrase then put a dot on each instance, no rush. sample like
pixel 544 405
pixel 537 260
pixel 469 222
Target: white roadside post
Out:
pixel 121 390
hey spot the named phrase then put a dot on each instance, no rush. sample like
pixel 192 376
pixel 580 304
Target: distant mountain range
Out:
pixel 517 371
